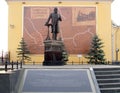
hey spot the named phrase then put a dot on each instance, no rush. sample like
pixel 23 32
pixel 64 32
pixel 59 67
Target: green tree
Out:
pixel 64 57
pixel 96 54
pixel 23 52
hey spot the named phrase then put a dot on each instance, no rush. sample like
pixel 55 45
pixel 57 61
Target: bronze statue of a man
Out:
pixel 55 18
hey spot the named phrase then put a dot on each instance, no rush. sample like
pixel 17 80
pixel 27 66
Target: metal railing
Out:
pixel 86 63
pixel 12 65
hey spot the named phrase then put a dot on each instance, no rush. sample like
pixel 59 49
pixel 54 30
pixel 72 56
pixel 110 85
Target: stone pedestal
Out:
pixel 53 52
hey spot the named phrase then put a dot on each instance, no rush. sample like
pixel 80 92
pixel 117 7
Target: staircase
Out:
pixel 108 79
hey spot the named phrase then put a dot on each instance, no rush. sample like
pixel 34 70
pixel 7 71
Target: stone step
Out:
pixel 109 85
pixel 108 76
pixel 114 80
pixel 110 90
pixel 106 72
pixel 106 69
pixel 108 79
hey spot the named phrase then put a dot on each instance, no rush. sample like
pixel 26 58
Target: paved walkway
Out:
pixel 72 66
pixel 62 67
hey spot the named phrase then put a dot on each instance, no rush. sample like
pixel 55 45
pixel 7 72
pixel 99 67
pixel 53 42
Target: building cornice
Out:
pixel 62 0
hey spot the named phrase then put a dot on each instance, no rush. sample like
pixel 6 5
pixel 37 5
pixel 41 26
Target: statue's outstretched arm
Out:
pixel 50 16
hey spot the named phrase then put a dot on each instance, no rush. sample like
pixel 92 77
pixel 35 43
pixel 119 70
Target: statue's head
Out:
pixel 55 9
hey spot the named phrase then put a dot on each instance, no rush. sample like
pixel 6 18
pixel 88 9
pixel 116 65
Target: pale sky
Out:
pixel 115 14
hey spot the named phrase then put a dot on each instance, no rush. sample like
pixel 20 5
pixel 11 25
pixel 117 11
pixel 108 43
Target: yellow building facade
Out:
pixel 102 24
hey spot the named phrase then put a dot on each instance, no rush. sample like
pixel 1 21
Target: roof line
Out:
pixel 63 0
